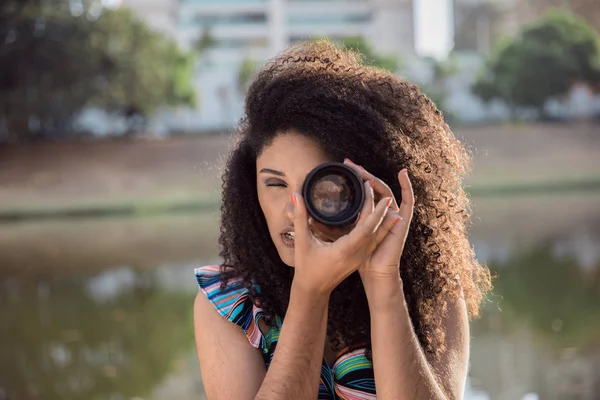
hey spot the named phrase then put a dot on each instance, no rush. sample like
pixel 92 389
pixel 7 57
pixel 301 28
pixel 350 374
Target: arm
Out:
pixel 401 369
pixel 233 369
pixel 296 368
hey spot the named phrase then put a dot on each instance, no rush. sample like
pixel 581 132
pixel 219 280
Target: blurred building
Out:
pixel 259 29
pixel 158 14
pixel 479 23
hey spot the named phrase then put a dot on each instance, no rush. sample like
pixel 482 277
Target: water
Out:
pixel 102 309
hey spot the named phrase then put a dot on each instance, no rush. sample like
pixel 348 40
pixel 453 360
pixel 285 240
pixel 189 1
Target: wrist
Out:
pixel 374 281
pixel 384 293
pixel 314 294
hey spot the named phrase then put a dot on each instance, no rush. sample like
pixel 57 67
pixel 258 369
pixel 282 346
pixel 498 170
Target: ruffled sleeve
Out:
pixel 233 303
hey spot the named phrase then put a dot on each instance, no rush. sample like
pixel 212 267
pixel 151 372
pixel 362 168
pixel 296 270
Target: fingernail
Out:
pixel 371 183
pixel 389 201
pixel 397 219
pixel 294 200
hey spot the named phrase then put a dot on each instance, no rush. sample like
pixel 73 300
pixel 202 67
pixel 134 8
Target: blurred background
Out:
pixel 116 117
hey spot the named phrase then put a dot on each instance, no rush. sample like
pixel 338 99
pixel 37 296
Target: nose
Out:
pixel 289 209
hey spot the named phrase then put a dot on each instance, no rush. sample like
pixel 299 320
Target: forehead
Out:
pixel 289 148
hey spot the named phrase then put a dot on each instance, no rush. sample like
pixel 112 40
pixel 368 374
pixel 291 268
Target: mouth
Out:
pixel 287 237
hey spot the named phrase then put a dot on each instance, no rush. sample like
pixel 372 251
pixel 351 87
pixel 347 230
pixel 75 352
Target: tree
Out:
pixel 437 88
pixel 589 10
pixel 370 56
pixel 246 71
pixel 542 62
pixel 61 57
pixel 148 70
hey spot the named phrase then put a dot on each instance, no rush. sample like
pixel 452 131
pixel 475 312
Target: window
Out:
pixel 241 2
pixel 328 1
pixel 328 19
pixel 207 20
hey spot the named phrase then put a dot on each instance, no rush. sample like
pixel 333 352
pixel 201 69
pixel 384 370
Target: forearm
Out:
pixel 296 367
pixel 400 366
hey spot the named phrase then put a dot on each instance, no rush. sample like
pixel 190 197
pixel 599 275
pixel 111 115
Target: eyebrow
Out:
pixel 272 171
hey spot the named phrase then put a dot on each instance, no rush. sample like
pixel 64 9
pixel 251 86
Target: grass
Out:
pixel 111 209
pixel 584 185
pixel 69 245
pixel 174 205
pixel 82 180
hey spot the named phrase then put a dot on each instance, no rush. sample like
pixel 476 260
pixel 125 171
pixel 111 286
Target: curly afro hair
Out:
pixel 383 123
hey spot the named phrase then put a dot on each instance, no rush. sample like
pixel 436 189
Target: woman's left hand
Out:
pixel 385 260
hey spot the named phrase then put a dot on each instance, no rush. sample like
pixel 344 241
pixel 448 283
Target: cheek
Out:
pixel 268 209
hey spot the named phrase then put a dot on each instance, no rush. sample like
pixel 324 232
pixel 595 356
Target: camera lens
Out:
pixel 334 194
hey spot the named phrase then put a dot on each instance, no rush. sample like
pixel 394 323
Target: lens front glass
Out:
pixel 332 195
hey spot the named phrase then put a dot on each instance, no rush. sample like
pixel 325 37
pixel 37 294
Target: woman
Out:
pixel 301 311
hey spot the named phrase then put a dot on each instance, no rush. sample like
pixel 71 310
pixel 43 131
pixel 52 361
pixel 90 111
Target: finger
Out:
pixel 408 198
pixel 380 188
pixel 369 204
pixel 302 231
pixel 370 225
pixel 389 221
pixel 395 239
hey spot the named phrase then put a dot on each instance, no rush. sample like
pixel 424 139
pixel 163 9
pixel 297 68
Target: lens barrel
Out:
pixel 334 194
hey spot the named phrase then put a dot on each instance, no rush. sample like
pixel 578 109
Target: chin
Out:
pixel 289 262
pixel 287 258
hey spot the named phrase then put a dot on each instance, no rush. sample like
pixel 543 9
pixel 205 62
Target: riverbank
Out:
pixel 116 178
pixel 211 204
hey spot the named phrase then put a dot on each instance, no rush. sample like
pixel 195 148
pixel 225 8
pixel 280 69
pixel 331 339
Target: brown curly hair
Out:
pixel 383 123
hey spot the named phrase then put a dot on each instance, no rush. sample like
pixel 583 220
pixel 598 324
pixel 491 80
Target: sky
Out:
pixel 433 27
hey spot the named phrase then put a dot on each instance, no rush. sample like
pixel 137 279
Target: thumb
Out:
pixel 301 227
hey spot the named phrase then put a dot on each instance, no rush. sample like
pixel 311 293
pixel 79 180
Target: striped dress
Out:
pixel 350 378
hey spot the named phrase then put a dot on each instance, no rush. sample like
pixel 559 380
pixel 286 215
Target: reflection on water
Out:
pixel 546 338
pixel 101 318
pixel 114 335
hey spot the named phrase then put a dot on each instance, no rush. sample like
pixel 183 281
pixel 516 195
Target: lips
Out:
pixel 287 236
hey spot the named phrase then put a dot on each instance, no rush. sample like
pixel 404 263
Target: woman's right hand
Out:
pixel 320 266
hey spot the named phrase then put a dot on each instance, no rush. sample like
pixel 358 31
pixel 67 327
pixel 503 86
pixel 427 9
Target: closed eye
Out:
pixel 274 182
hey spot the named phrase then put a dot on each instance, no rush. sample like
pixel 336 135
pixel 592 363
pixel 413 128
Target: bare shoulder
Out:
pixel 230 366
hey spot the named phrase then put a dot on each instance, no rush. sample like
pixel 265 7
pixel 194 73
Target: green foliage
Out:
pixel 59 61
pixel 370 57
pixel 204 42
pixel 542 62
pixel 246 71
pixel 436 89
pixel 148 70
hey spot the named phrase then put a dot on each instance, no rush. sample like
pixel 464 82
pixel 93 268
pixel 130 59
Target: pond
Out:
pixel 102 308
